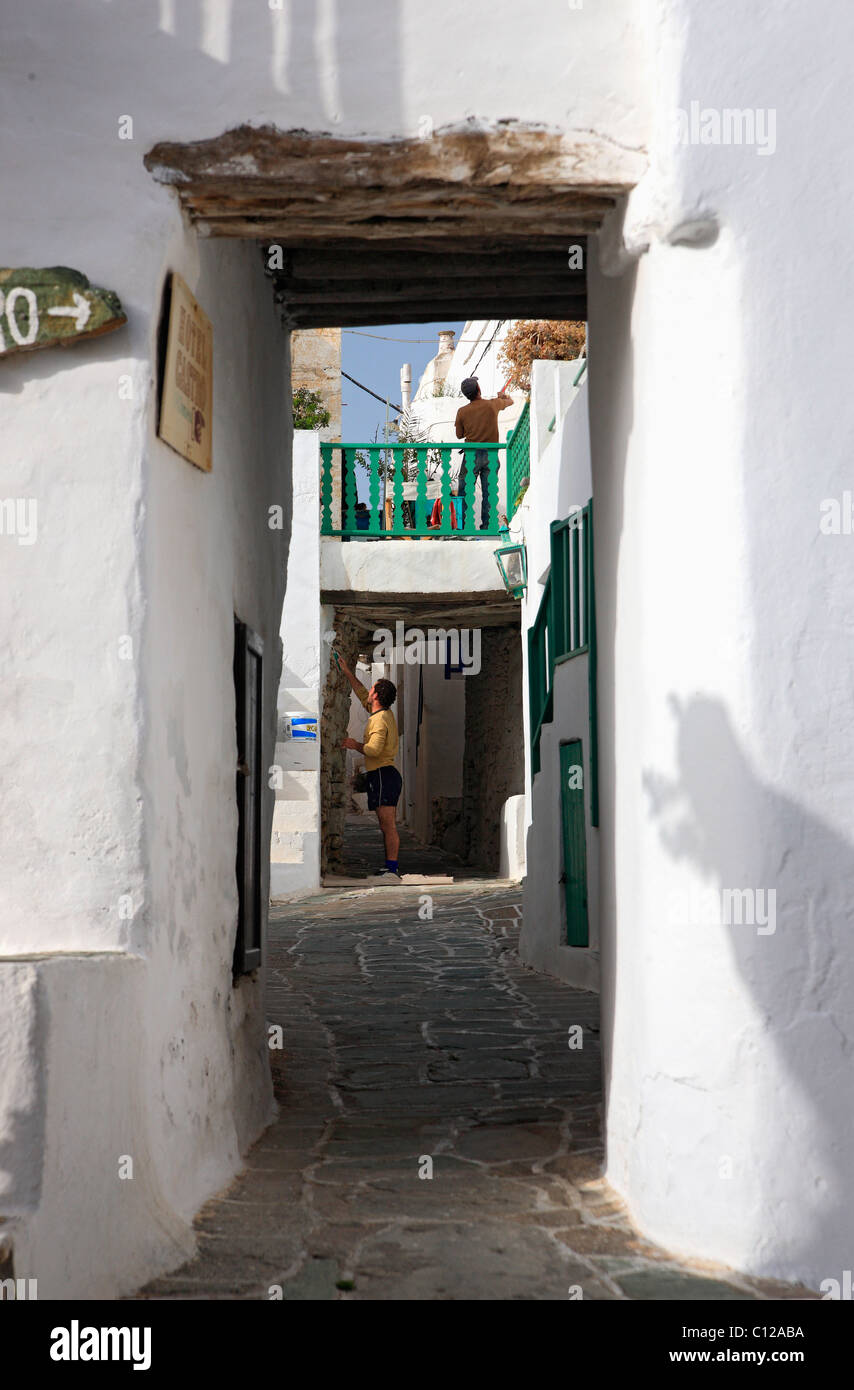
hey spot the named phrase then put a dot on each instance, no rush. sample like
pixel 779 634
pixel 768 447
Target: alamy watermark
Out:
pixel 838 1289
pixel 725 125
pixel 76 1343
pixel 836 515
pixel 725 907
pixel 17 1290
pixel 19 517
pixel 456 648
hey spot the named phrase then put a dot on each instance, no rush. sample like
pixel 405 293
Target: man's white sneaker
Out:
pixel 384 876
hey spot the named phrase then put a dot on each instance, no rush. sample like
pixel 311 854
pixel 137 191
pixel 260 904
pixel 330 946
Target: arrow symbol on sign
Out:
pixel 79 311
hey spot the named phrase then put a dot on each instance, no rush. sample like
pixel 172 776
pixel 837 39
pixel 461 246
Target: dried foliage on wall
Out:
pixel 534 340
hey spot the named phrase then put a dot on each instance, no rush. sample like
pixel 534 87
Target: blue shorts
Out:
pixel 384 787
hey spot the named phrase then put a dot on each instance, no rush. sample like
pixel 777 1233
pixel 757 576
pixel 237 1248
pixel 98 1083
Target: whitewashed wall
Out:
pixel 560 482
pixel 440 754
pixel 408 768
pixel 119 708
pixel 295 841
pixel 144 760
pixel 726 667
pixel 210 552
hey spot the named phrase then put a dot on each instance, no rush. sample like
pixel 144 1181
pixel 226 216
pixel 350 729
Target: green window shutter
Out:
pixel 574 842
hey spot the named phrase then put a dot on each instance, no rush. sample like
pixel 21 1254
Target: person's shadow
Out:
pixel 792 1052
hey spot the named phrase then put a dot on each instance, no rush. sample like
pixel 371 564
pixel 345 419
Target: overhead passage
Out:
pixel 467 223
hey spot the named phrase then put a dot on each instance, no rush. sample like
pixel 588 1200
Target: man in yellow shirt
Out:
pixel 380 750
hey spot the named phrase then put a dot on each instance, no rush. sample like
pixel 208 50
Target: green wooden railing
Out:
pixel 518 460
pixel 565 626
pixel 391 490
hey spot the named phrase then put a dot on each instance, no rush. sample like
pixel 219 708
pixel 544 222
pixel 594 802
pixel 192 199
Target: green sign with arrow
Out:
pixel 51 307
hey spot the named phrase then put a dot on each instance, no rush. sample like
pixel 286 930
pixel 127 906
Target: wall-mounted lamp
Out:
pixel 513 563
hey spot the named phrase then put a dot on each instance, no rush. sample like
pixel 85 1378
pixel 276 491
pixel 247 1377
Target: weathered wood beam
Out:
pixel 374 206
pixel 260 158
pixel 324 266
pixel 413 202
pixel 321 230
pixel 460 243
pixel 519 287
pixel 344 315
pixel 493 606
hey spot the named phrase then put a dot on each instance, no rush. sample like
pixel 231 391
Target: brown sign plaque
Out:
pixel 186 407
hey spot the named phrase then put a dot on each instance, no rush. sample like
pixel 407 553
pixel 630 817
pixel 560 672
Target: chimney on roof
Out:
pixel 446 340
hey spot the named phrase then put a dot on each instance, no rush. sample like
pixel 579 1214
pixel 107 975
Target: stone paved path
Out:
pixel 413 1044
pixel 362 853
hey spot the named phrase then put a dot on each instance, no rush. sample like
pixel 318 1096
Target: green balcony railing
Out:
pixel 430 489
pixel 518 460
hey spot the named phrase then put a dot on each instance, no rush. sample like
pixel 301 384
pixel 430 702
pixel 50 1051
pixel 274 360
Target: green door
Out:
pixel 574 876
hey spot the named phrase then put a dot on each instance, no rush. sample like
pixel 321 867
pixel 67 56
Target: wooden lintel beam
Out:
pixel 355 264
pixel 262 159
pixel 363 291
pixel 424 231
pixel 375 202
pixel 344 315
pixel 459 244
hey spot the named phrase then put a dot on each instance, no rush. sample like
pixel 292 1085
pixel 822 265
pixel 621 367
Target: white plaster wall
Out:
pixel 433 566
pixel 424 772
pixel 383 67
pixel 543 939
pixel 407 749
pixel 512 849
pixel 210 553
pixel 560 481
pixel 725 707
pixel 120 773
pixel 561 476
pixel 295 840
pixel 80 1104
pixel 477 352
pixel 432 379
pixel 122 770
pixel 440 762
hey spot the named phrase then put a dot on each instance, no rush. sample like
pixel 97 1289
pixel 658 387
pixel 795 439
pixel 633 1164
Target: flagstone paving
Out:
pixel 437 1136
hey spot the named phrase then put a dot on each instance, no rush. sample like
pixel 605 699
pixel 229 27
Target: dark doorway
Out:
pixel 248 690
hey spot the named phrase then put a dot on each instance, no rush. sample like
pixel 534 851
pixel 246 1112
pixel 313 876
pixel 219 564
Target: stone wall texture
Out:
pixel 494 757
pixel 334 718
pixel 316 363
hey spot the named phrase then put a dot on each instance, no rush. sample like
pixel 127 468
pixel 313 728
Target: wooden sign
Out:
pixel 52 307
pixel 186 406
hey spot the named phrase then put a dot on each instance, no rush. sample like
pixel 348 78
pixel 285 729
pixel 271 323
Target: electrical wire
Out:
pixel 501 322
pixel 383 399
pixel 387 338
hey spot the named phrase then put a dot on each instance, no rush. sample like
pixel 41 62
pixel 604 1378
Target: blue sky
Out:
pixel 376 361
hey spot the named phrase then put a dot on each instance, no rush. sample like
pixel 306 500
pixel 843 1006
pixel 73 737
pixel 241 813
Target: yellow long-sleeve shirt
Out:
pixel 379 745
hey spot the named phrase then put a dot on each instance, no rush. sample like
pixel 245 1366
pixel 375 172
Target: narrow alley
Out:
pixel 437 1136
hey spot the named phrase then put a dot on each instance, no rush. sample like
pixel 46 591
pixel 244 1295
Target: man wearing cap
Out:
pixel 477 423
